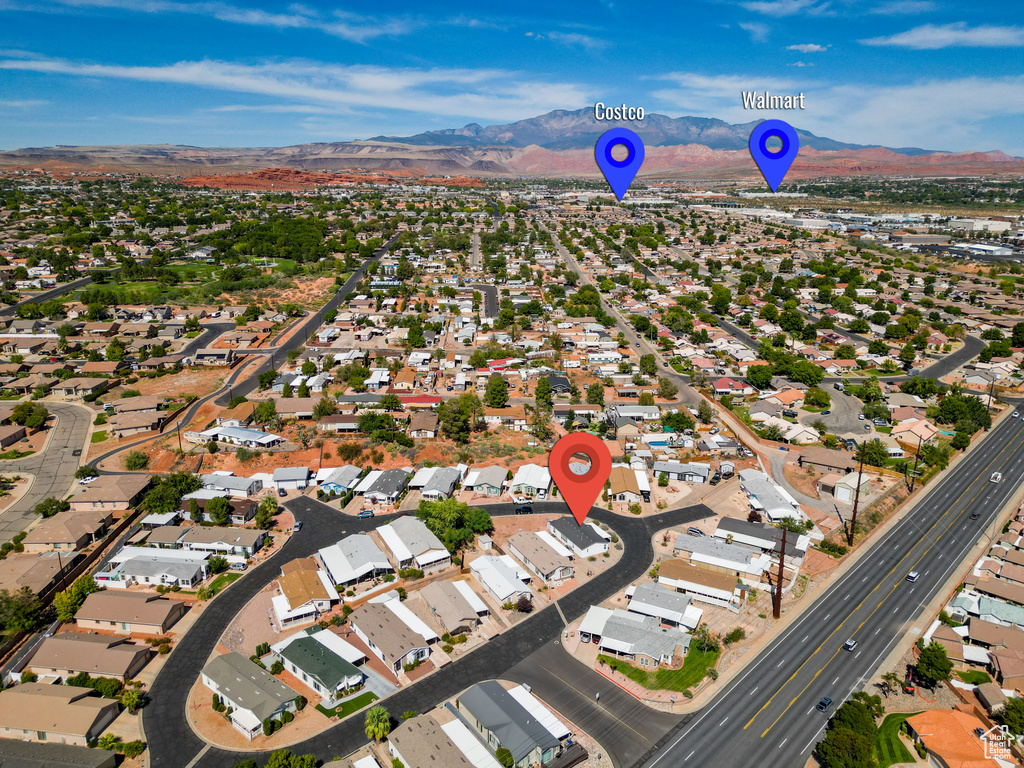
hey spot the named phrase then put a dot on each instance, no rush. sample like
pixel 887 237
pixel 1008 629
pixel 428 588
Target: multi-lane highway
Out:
pixel 767 715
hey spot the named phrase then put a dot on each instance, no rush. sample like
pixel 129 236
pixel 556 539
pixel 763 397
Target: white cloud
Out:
pixel 341 24
pixel 801 64
pixel 787 7
pixel 904 7
pixel 758 32
pixel 486 94
pixel 951 114
pixel 576 38
pixel 22 103
pixel 807 48
pixel 957 34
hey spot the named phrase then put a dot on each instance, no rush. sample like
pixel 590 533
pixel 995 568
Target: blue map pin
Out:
pixel 774 165
pixel 619 173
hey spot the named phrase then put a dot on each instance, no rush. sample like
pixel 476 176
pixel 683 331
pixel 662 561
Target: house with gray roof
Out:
pixel 587 540
pixel 436 483
pixel 413 545
pixel 767 497
pixel 744 562
pixel 339 480
pixel 640 639
pixel 251 692
pixel 667 605
pixel 291 478
pixel 545 557
pixel 383 486
pixel 488 481
pixel 694 472
pixel 353 559
pixel 502 722
pixel 765 537
pixel 231 485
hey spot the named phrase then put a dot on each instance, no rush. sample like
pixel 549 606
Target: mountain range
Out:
pixel 559 143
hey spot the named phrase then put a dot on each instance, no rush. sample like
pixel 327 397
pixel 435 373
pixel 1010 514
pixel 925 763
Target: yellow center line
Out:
pixel 877 586
pixel 581 693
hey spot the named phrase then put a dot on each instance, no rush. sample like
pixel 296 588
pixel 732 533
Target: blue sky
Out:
pixel 939 74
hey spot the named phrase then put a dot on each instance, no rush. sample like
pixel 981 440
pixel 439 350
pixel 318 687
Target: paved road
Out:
pixel 687 394
pixel 54 468
pixel 51 293
pixel 490 294
pixel 173 744
pixel 841 418
pixel 767 716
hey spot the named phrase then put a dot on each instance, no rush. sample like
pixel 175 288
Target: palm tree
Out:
pixel 378 723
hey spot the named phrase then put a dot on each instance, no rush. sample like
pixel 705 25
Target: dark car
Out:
pixel 281 492
pixel 825 413
pixel 975 515
pixel 716 478
pixel 524 510
pixel 783 447
pixel 824 704
pixel 365 513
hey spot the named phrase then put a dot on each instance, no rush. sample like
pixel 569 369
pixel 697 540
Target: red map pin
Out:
pixel 580 464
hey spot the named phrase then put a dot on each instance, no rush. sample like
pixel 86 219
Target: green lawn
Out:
pixel 201 271
pixel 974 677
pixel 15 454
pixel 98 437
pixel 351 705
pixel 695 667
pixel 884 430
pixel 223 580
pixel 889 747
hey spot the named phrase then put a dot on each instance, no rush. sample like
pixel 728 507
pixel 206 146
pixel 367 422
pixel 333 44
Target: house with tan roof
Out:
pixel 512 417
pixel 114 493
pixel 701 583
pixel 134 423
pixel 129 612
pixel 787 398
pixel 542 554
pixel 912 431
pixel 65 714
pixel 389 638
pixel 71 653
pixel 67 531
pixel 306 592
pixel 36 571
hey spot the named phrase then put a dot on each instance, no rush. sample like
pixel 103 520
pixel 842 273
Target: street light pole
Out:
pixel 856 500
pixel 917 457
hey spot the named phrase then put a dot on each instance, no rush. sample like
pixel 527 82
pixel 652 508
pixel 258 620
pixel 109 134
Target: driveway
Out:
pixel 842 417
pixel 53 469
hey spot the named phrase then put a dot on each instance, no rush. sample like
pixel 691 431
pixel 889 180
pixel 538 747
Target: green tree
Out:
pixel 760 376
pixel 19 610
pixel 855 716
pixel 496 394
pixel 874 453
pixel 324 407
pixel 308 369
pixel 933 665
pixel 595 395
pixel 542 394
pixel 219 510
pixel 264 518
pixel 461 416
pixel 845 749
pixel 136 461
pixel 51 506
pixel 504 757
pixel 131 699
pixel 648 365
pixel 705 412
pixel 667 389
pixel 817 397
pixel 377 723
pixel 1012 714
pixel 217 563
pixel 391 403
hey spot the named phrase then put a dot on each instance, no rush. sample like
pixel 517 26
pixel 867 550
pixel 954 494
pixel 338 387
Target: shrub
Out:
pixel 735 636
pixel 136 461
pixel 287 717
pixel 276 668
pixel 300 703
pixel 133 748
pixel 216 702
pixel 29 677
pixel 504 757
pixel 268 727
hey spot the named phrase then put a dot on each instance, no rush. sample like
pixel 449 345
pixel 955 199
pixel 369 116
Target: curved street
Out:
pixel 172 744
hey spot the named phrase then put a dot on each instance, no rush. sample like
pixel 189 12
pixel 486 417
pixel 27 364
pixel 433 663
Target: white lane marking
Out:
pixel 780 663
pixel 783 742
pixel 835 681
pixel 689 756
pixel 805 639
pixel 722 723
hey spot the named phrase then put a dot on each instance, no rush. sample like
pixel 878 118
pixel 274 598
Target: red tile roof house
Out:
pixel 727 386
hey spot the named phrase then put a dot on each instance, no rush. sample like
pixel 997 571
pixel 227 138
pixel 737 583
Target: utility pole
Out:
pixel 777 602
pixel 178 427
pixel 856 500
pixel 917 457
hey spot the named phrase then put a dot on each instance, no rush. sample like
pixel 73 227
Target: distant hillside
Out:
pixel 564 129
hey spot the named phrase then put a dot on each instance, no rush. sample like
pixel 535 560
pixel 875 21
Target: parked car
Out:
pixel 783 447
pixel 860 416
pixel 867 427
pixel 789 413
pixel 695 531
pixel 365 513
pixel 281 492
pixel 716 478
pixel 524 510
pixel 297 527
pixel 238 566
pixel 824 704
pixel 825 413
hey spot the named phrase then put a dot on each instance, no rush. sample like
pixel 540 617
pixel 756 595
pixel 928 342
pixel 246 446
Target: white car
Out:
pixel 87 480
pixel 1015 414
pixel 997 477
